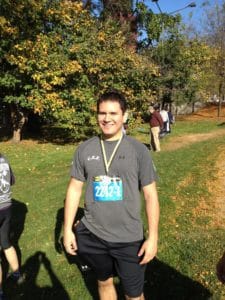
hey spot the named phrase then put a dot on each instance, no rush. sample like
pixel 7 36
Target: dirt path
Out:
pixel 207 113
pixel 217 187
pixel 185 140
pixel 219 190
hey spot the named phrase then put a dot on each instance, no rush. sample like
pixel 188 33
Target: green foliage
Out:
pixel 156 26
pixel 214 37
pixel 116 8
pixel 185 70
pixel 58 67
pixel 184 63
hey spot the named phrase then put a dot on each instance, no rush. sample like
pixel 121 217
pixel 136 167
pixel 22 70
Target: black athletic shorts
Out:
pixel 109 259
pixel 5 217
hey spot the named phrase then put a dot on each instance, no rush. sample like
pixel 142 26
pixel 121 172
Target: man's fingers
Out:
pixel 70 248
pixel 70 244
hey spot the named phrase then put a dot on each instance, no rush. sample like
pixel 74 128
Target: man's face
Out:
pixel 111 119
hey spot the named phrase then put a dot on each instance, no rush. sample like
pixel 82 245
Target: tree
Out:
pixel 192 72
pixel 123 13
pixel 15 29
pixel 215 37
pixel 184 61
pixel 59 66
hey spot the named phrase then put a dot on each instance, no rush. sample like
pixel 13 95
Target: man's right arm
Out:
pixel 73 195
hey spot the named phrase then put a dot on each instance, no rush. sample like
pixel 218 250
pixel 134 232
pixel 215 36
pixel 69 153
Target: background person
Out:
pixel 110 235
pixel 171 119
pixel 7 179
pixel 165 118
pixel 156 124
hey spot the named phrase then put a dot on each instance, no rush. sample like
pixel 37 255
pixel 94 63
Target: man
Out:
pixel 156 124
pixel 165 117
pixel 110 235
pixel 6 180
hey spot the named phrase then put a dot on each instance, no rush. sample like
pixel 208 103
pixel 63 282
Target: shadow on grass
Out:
pixel 221 124
pixel 29 289
pixel 220 269
pixel 148 146
pixel 19 211
pixel 59 225
pixel 164 282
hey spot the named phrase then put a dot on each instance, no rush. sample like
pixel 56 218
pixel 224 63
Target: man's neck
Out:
pixel 112 138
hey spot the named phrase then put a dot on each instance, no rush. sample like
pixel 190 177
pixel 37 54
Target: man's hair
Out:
pixel 113 95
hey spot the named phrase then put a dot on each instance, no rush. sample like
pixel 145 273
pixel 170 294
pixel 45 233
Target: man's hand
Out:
pixel 69 242
pixel 149 250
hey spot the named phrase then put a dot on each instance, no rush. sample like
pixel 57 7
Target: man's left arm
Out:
pixel 12 176
pixel 149 247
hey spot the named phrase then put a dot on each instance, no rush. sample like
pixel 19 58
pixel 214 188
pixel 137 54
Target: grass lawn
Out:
pixel 189 246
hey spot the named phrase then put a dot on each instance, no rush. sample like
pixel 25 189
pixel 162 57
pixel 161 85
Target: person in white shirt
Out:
pixel 166 123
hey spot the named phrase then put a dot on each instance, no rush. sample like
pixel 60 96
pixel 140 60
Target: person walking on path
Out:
pixel 7 179
pixel 156 124
pixel 110 236
pixel 171 119
pixel 165 117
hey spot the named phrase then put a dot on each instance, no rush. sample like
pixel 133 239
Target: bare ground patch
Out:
pixel 217 189
pixel 208 112
pixel 185 140
pixel 215 207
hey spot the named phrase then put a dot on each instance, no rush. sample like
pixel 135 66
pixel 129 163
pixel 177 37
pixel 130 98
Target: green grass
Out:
pixel 183 127
pixel 189 247
pixel 201 126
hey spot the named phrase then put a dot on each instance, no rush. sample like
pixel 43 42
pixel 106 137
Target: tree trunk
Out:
pixel 220 100
pixel 122 11
pixel 219 107
pixel 18 119
pixel 16 135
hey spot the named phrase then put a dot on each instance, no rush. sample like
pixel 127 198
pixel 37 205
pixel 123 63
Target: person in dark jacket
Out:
pixel 156 124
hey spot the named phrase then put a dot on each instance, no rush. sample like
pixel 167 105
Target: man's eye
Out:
pixel 107 114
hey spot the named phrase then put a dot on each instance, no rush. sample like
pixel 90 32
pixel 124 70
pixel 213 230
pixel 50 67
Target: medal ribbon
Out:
pixel 108 163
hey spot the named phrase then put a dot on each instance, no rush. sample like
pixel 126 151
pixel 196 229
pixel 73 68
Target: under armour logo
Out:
pixel 93 157
pixel 121 157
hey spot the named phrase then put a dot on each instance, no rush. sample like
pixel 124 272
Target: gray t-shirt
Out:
pixel 114 221
pixel 5 183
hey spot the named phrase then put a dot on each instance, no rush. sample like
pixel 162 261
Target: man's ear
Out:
pixel 125 117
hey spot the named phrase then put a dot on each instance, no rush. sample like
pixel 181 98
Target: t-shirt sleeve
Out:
pixel 77 168
pixel 147 170
pixel 12 176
